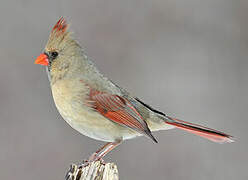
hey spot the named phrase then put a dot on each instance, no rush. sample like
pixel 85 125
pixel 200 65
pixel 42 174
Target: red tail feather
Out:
pixel 202 131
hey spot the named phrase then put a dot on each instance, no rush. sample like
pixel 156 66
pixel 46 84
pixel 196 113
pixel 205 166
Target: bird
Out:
pixel 97 107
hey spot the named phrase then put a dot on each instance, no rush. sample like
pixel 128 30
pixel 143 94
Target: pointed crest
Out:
pixel 59 35
pixel 60 27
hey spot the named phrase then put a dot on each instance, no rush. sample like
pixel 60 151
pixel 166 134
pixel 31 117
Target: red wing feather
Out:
pixel 119 110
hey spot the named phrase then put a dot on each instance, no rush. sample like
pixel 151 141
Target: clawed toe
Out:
pixel 83 164
pixel 90 160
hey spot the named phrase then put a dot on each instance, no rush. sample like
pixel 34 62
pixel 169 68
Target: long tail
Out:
pixel 202 131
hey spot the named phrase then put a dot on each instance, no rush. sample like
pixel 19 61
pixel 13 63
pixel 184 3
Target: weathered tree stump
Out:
pixel 94 171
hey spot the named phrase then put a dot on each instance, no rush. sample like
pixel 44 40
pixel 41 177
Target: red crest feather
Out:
pixel 60 27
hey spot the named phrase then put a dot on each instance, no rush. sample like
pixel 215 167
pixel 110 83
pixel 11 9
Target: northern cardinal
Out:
pixel 95 106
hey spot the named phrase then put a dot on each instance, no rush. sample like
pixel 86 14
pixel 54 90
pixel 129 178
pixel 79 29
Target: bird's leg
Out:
pixel 98 155
pixel 103 151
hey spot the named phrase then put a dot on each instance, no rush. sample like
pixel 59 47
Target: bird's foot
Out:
pixel 94 157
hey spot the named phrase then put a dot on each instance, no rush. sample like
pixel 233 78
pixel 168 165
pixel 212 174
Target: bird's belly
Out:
pixel 94 125
pixel 86 120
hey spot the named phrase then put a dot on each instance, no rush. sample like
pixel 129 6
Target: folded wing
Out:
pixel 121 111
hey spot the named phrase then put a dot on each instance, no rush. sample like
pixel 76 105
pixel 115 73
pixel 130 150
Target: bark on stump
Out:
pixel 94 171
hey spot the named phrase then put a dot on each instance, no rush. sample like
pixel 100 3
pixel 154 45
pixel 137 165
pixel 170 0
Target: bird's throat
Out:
pixel 48 73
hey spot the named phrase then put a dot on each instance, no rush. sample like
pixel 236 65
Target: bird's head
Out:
pixel 60 50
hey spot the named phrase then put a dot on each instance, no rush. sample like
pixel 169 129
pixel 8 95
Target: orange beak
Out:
pixel 42 60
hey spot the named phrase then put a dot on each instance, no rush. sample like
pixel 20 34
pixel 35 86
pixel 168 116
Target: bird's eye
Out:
pixel 54 54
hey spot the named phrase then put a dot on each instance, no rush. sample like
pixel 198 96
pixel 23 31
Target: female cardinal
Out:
pixel 95 106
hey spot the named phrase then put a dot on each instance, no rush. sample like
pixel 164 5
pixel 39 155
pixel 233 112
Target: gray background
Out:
pixel 187 58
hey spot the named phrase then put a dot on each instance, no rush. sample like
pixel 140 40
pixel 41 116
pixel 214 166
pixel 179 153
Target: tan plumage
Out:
pixel 95 106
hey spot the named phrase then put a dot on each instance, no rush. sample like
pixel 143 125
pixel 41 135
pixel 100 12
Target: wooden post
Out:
pixel 94 171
